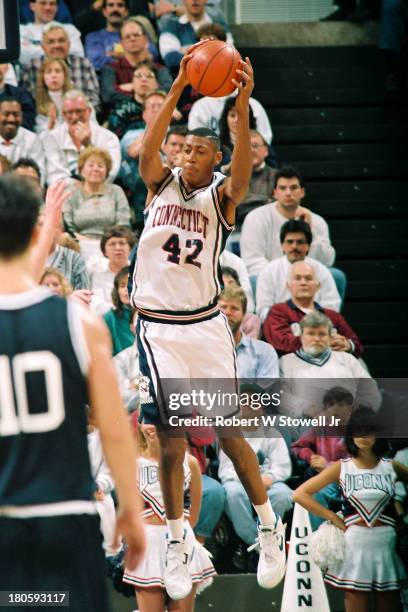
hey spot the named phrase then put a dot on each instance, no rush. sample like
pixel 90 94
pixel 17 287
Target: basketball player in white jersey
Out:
pixel 54 358
pixel 181 333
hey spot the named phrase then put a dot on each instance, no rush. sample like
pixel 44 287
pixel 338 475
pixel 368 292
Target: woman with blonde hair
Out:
pixel 95 204
pixel 52 83
pixel 56 282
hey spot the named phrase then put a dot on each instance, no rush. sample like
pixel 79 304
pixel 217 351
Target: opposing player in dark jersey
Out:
pixel 54 359
pixel 181 332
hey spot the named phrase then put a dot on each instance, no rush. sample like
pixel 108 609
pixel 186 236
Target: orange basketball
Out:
pixel 213 65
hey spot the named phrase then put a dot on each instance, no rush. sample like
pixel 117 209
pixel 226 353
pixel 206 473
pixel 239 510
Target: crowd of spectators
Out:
pixel 90 78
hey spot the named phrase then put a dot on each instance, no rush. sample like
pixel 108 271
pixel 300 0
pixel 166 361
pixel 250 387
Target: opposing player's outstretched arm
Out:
pixel 152 169
pixel 116 436
pixel 57 194
pixel 235 188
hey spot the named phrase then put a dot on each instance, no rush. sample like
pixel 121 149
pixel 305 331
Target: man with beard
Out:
pixel 316 361
pixel 101 46
pixel 16 141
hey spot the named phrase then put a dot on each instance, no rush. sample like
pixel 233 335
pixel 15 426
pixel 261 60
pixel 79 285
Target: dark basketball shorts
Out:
pixel 57 553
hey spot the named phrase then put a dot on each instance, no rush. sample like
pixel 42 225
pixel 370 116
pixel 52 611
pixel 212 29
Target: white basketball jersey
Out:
pixel 177 276
pixel 368 493
pixel 149 486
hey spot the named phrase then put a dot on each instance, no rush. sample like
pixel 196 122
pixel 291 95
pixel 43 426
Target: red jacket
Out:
pixel 278 327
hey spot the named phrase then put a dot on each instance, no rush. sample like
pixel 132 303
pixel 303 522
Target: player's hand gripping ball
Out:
pixel 213 65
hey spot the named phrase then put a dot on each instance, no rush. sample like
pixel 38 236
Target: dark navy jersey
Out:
pixel 43 393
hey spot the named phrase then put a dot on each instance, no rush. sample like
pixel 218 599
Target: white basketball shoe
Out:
pixel 272 554
pixel 177 578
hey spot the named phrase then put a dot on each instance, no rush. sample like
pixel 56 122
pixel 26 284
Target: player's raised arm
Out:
pixel 235 188
pixel 151 167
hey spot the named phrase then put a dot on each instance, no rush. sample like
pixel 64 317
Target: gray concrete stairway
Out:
pixel 332 120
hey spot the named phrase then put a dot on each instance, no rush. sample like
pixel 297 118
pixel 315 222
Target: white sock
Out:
pixel 176 528
pixel 266 515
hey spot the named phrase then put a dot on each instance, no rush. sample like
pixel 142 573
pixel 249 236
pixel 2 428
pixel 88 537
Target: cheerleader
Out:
pixel 147 577
pixel 367 482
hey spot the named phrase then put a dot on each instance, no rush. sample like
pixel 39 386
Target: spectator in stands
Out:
pixel 275 466
pixel 230 260
pixel 15 140
pixel 116 243
pixel 179 33
pixel 27 167
pixel 131 143
pixel 394 18
pixel 102 47
pixel 56 282
pixel 255 359
pixel 118 318
pixel 65 142
pixel 52 83
pixel 211 31
pixel 173 145
pixel 228 129
pixel 117 80
pixel 31 33
pixel 260 231
pixel 67 261
pixel 88 16
pixel 127 367
pixel 27 16
pixel 207 111
pixel 272 288
pixel 251 325
pixel 19 94
pixel 56 43
pixel 5 164
pixel 127 114
pixel 319 449
pixel 281 327
pixel 262 179
pixel 95 204
pixel 317 361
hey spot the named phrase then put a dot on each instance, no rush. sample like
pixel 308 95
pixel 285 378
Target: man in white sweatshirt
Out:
pixel 31 33
pixel 260 231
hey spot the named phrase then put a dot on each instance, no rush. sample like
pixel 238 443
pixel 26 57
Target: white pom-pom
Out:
pixel 327 546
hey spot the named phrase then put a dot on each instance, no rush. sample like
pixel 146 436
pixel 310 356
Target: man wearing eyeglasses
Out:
pixel 117 79
pixel 64 143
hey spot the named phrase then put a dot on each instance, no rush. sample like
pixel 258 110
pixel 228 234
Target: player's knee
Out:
pixel 232 447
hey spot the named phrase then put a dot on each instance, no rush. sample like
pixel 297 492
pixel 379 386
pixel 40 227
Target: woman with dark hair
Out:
pixel 367 481
pixel 228 128
pixel 118 319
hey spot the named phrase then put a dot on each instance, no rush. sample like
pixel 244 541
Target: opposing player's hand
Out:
pixel 129 526
pixel 245 86
pixel 56 196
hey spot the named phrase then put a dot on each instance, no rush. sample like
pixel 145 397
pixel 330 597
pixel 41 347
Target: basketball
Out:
pixel 213 65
